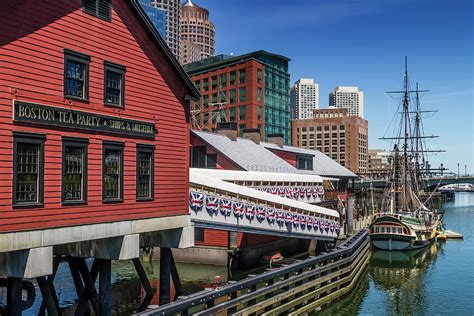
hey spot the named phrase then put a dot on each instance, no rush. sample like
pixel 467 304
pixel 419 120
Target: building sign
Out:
pixel 53 116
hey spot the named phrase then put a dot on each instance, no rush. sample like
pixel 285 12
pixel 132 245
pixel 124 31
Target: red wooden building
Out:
pixel 94 123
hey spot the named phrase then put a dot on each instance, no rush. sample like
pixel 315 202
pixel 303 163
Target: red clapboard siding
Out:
pixel 33 38
pixel 215 238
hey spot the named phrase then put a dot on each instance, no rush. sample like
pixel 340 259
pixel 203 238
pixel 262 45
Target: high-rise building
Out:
pixel 339 136
pixel 304 99
pixel 156 15
pixel 197 31
pixel 349 98
pixel 379 163
pixel 173 17
pixel 253 89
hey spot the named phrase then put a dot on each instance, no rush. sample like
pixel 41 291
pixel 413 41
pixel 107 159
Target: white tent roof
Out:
pixel 234 175
pixel 209 181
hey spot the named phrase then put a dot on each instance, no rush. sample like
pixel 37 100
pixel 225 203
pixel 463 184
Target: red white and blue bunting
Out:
pixel 196 201
pixel 298 193
pixel 250 211
pixel 215 205
pixel 226 207
pixel 239 209
pixel 212 204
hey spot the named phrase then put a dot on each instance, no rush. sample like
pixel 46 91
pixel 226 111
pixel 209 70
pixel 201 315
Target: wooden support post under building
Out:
pixel 48 301
pixel 14 297
pixel 145 283
pixel 165 271
pixel 105 287
pixel 175 276
pixel 52 290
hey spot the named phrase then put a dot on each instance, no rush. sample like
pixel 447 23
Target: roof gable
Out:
pixel 159 41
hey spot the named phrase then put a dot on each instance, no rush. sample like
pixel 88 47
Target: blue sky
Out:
pixel 363 43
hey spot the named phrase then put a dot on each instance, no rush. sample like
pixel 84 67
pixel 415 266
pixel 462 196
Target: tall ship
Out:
pixel 405 220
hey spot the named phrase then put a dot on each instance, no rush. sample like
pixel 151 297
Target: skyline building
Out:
pixel 379 163
pixel 349 98
pixel 173 18
pixel 304 98
pixel 197 33
pixel 335 133
pixel 253 90
pixel 156 15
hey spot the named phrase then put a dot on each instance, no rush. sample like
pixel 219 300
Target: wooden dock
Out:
pixel 301 287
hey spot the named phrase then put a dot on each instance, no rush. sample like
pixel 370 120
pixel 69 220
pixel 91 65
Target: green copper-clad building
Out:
pixel 251 89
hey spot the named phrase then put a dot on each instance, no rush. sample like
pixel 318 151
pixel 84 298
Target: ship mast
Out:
pixel 406 118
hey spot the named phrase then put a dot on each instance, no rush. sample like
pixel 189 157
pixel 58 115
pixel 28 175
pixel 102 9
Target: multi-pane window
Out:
pixel 232 96
pixel 213 82
pixel 223 80
pixel 259 76
pixel 259 94
pixel 242 112
pixel 232 78
pixel 201 159
pixel 242 75
pixel 114 84
pixel 145 167
pixel 304 163
pixel 197 83
pixel 76 75
pixel 242 94
pixel 28 153
pixel 232 114
pixel 74 178
pixel 112 178
pixel 205 84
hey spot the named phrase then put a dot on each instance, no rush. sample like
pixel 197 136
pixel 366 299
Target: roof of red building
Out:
pixel 159 41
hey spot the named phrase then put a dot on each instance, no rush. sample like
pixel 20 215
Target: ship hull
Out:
pixel 395 233
pixel 397 244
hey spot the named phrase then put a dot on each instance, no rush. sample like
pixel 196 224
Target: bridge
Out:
pixel 432 182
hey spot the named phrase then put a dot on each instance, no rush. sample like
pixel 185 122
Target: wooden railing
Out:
pixel 293 289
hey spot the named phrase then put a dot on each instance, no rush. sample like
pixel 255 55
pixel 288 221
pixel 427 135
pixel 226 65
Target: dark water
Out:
pixel 438 280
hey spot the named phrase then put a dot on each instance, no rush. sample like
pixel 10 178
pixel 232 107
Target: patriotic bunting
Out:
pixel 212 204
pixel 261 213
pixel 196 201
pixel 316 224
pixel 239 209
pixel 302 221
pixel 271 215
pixel 282 191
pixel 226 207
pixel 250 211
pixel 302 192
pixel 296 220
pixel 280 217
pixel 326 225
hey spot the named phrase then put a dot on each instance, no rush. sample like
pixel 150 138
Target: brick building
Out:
pixel 379 163
pixel 252 89
pixel 341 137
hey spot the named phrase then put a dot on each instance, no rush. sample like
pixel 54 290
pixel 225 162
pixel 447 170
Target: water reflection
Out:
pixel 400 274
